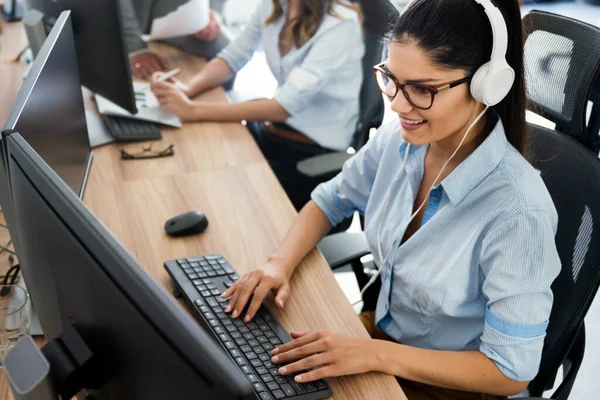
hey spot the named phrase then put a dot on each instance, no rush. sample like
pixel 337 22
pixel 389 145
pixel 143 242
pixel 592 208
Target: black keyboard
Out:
pixel 128 129
pixel 201 280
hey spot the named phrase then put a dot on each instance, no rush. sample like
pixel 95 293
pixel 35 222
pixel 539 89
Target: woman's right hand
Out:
pixel 257 284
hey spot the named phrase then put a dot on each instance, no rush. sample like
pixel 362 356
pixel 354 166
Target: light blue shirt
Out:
pixel 319 83
pixel 477 273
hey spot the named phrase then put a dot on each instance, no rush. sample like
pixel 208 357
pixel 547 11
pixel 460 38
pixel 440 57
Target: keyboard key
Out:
pixel 194 264
pixel 235 353
pixel 203 308
pixel 321 385
pixel 266 378
pixel 246 369
pixel 229 345
pixel 259 387
pixel 252 326
pixel 275 341
pixel 240 323
pixel 247 349
pixel 288 390
pixel 298 388
pixel 215 292
pixel 253 343
pixel 261 371
pixel 234 277
pixel 280 379
pixel 267 317
pixel 207 281
pixel 251 355
pixel 274 371
pixel 255 332
pixel 268 346
pixel 202 274
pixel 270 334
pixel 227 322
pixel 240 361
pixel 214 323
pixel 220 272
pixel 219 330
pixel 211 286
pixel 223 337
pixel 269 364
pixel 195 259
pixel 273 385
pixel 252 378
pixel 247 336
pixel 265 396
pixel 236 335
pixel 264 328
pixel 193 276
pixel 245 330
pixel 200 287
pixel 228 284
pixel 211 273
pixel 278 394
pixel 240 341
pixel 264 357
pixel 230 328
pixel 262 339
pixel 310 387
pixel 199 303
pixel 256 363
pixel 212 302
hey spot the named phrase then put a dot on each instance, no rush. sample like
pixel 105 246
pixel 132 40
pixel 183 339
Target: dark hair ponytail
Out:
pixel 457 34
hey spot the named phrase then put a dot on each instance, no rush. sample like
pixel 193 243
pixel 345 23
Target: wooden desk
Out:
pixel 218 169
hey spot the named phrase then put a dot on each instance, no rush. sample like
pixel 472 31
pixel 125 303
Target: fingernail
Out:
pixel 275 350
pixel 247 319
pixel 282 370
pixel 298 378
pixel 280 303
pixel 228 308
pixel 275 359
pixel 235 314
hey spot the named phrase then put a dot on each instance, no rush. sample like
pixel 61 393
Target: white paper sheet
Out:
pixel 147 105
pixel 188 19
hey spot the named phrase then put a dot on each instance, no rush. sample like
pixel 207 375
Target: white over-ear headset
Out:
pixel 490 84
pixel 493 80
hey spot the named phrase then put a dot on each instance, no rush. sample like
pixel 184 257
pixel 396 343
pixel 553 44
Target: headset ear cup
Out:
pixel 478 83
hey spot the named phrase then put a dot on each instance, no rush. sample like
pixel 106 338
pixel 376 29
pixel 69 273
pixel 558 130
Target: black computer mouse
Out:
pixel 186 224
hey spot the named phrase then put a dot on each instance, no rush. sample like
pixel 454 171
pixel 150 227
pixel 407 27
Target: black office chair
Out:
pixel 378 17
pixel 572 175
pixel 561 62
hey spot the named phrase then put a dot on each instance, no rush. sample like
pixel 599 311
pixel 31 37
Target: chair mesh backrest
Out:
pixel 378 16
pixel 572 175
pixel 561 58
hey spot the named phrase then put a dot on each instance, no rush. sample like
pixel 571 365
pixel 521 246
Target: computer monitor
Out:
pixel 100 44
pixel 49 110
pixel 80 276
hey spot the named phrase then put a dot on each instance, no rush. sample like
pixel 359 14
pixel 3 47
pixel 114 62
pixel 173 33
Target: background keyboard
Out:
pixel 129 129
pixel 201 280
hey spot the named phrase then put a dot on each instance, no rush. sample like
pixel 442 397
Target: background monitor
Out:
pixel 49 110
pixel 100 44
pixel 80 276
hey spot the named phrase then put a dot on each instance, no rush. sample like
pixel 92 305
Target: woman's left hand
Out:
pixel 332 355
pixel 173 99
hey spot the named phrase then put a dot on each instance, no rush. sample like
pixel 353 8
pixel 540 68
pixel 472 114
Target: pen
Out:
pixel 163 77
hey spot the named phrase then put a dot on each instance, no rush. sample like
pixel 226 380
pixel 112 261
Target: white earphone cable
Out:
pixel 388 197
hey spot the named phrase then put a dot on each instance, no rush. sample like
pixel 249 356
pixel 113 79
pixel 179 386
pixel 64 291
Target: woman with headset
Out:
pixel 459 223
pixel 314 49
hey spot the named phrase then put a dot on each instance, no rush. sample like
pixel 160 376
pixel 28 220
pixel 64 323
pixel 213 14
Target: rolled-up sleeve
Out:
pixel 240 50
pixel 349 191
pixel 332 50
pixel 519 263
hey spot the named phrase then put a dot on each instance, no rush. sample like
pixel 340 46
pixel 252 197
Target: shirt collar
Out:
pixel 473 170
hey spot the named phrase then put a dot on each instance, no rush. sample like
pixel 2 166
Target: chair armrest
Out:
pixel 342 248
pixel 323 165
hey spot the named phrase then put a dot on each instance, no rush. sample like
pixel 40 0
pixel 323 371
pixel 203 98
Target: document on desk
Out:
pixel 147 105
pixel 188 19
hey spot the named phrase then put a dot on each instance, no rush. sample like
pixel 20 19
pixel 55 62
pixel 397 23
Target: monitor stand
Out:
pixel 97 132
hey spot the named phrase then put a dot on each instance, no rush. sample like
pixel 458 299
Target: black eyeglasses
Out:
pixel 419 95
pixel 147 152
